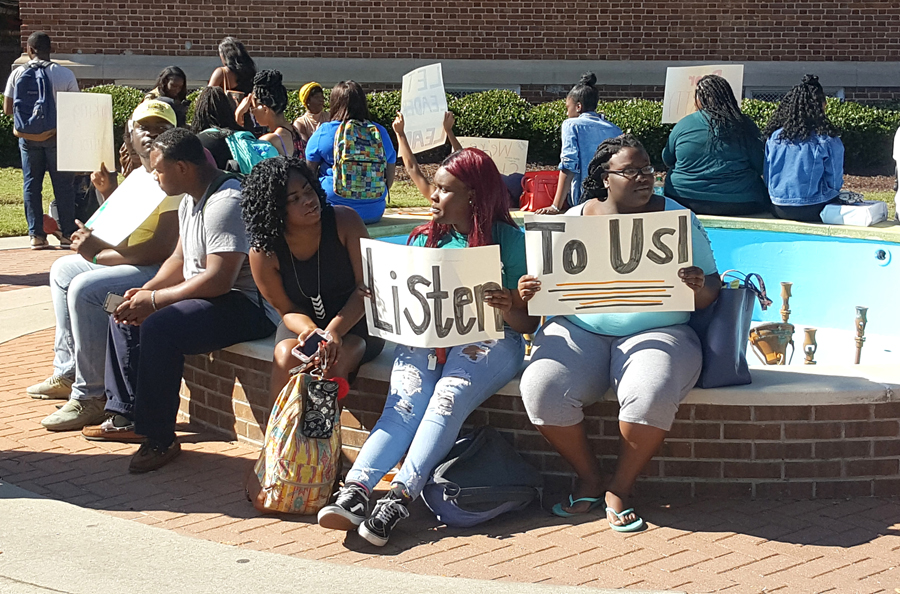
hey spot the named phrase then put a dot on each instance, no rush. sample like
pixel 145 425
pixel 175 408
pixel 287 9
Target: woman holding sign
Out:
pixel 651 359
pixel 434 390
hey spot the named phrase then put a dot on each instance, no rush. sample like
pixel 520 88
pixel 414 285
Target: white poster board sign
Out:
pixel 609 264
pixel 129 206
pixel 681 83
pixel 425 297
pixel 84 132
pixel 508 155
pixel 423 104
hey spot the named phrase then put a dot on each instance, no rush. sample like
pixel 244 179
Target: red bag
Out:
pixel 539 189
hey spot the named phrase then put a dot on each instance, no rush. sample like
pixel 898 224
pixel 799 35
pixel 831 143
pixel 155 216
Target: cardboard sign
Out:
pixel 681 84
pixel 509 155
pixel 129 206
pixel 423 104
pixel 84 132
pixel 609 264
pixel 425 297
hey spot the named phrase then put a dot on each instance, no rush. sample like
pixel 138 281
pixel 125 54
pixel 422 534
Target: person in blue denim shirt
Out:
pixel 804 168
pixel 434 390
pixel 582 133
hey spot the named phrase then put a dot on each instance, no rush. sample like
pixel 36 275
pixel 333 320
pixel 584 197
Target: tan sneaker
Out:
pixel 115 428
pixel 39 243
pixel 55 387
pixel 75 414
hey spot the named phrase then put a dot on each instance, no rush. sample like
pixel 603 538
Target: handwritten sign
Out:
pixel 431 298
pixel 681 84
pixel 129 206
pixel 423 104
pixel 508 155
pixel 609 264
pixel 84 131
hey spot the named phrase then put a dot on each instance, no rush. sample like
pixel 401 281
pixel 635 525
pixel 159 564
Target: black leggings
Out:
pixel 804 214
pixel 726 209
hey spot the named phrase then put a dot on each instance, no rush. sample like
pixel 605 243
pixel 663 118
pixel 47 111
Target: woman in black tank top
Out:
pixel 306 262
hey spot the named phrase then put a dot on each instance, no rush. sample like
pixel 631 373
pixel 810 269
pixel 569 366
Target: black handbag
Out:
pixel 724 327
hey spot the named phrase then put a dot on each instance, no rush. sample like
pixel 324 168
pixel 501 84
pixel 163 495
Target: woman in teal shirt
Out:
pixel 715 156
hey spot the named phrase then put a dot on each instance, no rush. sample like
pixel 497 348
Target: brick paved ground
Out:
pixel 27 268
pixel 845 546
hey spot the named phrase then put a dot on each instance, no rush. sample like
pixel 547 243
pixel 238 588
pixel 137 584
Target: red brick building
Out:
pixel 538 48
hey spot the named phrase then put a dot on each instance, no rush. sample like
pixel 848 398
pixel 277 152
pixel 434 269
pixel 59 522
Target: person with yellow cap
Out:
pixel 313 99
pixel 80 283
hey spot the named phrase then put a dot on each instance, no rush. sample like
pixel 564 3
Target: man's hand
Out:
pixel 84 243
pixel 105 183
pixel 136 308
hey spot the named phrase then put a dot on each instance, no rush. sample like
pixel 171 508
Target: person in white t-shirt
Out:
pixel 39 150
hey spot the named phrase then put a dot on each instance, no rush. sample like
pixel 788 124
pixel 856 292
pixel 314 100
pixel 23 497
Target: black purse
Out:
pixel 724 327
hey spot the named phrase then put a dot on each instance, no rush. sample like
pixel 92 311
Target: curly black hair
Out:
pixel 592 185
pixel 269 91
pixel 801 113
pixel 213 109
pixel 726 122
pixel 585 92
pixel 264 200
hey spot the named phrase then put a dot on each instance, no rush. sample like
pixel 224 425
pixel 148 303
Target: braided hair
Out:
pixel 801 113
pixel 237 60
pixel 592 186
pixel 269 91
pixel 726 122
pixel 585 92
pixel 213 109
pixel 264 201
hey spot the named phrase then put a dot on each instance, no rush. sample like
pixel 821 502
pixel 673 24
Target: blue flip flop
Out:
pixel 595 502
pixel 633 527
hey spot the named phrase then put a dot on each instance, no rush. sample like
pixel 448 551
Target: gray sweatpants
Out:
pixel 570 368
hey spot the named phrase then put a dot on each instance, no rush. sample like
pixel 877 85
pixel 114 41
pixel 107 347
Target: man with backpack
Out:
pixel 30 97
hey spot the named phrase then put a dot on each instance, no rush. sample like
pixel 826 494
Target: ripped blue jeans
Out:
pixel 426 408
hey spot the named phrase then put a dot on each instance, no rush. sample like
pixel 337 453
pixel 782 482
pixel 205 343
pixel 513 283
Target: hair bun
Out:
pixel 588 79
pixel 267 78
pixel 810 79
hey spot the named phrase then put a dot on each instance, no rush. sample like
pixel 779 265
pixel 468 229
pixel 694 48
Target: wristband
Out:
pixel 153 300
pixel 554 207
pixel 94 259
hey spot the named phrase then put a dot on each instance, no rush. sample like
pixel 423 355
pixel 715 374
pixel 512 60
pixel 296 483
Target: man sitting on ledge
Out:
pixel 202 299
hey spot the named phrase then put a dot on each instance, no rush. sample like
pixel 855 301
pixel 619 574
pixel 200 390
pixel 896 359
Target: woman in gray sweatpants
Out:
pixel 651 359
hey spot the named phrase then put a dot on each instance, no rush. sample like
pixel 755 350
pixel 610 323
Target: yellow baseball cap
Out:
pixel 151 108
pixel 307 90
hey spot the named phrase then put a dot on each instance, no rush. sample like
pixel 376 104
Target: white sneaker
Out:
pixel 55 387
pixel 75 414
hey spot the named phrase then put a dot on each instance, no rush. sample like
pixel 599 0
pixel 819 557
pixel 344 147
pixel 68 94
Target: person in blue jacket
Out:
pixel 348 102
pixel 804 168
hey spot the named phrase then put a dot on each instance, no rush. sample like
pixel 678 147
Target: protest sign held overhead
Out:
pixel 508 155
pixel 609 264
pixel 84 131
pixel 423 104
pixel 425 297
pixel 681 83
pixel 129 206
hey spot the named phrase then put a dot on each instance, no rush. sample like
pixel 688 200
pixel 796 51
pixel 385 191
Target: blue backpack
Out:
pixel 248 150
pixel 34 108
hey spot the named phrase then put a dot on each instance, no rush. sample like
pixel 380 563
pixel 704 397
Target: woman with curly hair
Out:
pixel 306 262
pixel 804 168
pixel 434 390
pixel 715 156
pixel 266 104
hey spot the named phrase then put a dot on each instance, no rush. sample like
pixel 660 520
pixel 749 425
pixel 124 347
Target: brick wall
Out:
pixel 500 30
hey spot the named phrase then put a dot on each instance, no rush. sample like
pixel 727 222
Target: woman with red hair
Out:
pixel 434 390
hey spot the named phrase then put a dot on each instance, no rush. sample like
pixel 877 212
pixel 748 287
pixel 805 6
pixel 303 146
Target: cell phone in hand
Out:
pixel 310 347
pixel 112 302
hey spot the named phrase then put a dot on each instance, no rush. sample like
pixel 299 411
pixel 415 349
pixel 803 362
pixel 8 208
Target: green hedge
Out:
pixel 867 132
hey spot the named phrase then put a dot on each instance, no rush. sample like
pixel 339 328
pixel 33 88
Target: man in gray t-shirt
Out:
pixel 202 299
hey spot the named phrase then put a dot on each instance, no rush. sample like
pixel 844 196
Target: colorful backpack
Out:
pixel 248 150
pixel 34 107
pixel 359 161
pixel 301 455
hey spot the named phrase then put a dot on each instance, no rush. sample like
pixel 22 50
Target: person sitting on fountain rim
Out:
pixel 202 299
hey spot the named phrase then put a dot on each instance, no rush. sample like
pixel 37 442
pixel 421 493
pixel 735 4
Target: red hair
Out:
pixel 490 200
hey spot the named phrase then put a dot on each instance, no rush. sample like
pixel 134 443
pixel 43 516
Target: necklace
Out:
pixel 318 306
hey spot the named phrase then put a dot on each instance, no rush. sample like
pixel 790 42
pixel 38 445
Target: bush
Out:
pixel 867 133
pixel 9 144
pixel 545 121
pixel 124 100
pixel 641 118
pixel 492 114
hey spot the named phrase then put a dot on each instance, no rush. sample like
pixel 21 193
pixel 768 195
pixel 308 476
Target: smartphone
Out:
pixel 311 346
pixel 112 302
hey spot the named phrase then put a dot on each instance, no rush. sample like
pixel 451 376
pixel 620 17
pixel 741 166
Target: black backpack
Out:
pixel 482 477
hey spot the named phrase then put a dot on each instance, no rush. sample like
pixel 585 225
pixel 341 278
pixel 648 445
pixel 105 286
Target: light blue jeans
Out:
pixel 426 408
pixel 78 289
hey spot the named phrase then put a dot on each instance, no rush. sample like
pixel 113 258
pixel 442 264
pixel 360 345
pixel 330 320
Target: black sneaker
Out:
pixel 389 510
pixel 348 510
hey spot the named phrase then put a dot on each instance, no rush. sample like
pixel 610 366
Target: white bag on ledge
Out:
pixel 861 214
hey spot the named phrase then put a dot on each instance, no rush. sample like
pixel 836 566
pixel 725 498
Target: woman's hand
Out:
pixel 243 108
pixel 449 120
pixel 549 210
pixel 528 286
pixel 85 244
pixel 332 353
pixel 499 299
pixel 399 124
pixel 693 277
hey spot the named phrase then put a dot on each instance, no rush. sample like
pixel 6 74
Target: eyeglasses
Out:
pixel 633 172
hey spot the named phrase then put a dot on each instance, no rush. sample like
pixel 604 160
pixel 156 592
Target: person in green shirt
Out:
pixel 715 156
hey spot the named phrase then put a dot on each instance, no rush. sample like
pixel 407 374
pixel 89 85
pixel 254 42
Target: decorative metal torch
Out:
pixel 809 346
pixel 785 301
pixel 861 322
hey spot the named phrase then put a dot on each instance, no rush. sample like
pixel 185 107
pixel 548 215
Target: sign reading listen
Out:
pixel 609 264
pixel 424 297
pixel 423 104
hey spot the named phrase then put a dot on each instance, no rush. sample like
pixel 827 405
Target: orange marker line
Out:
pixel 619 292
pixel 608 283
